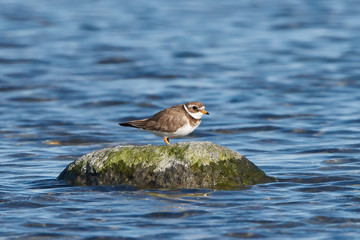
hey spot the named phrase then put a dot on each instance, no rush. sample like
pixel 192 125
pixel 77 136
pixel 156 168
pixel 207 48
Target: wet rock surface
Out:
pixel 178 166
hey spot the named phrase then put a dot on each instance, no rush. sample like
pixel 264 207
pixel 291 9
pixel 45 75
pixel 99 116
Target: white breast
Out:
pixel 185 130
pixel 181 132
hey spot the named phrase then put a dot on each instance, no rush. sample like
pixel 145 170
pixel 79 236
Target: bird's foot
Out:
pixel 166 139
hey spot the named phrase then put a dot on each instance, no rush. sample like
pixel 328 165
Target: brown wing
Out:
pixel 167 120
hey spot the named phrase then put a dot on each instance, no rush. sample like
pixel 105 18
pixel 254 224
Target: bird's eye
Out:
pixel 195 108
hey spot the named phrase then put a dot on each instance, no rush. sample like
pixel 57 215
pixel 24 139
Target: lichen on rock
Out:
pixel 180 165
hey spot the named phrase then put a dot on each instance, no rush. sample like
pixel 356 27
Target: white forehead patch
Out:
pixel 202 108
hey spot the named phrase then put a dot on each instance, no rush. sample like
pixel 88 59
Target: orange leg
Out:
pixel 166 139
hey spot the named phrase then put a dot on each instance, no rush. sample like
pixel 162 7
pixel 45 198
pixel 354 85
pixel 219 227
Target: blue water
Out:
pixel 280 79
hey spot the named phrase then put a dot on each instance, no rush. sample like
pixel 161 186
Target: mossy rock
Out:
pixel 178 166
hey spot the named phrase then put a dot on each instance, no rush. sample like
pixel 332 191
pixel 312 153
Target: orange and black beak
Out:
pixel 205 112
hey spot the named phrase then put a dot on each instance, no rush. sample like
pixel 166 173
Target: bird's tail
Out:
pixel 136 123
pixel 125 124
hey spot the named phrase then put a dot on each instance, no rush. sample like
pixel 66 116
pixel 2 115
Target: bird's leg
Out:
pixel 166 139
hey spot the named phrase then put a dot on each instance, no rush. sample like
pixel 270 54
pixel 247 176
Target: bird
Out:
pixel 172 122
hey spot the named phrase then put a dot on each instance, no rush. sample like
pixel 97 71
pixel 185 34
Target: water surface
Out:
pixel 281 81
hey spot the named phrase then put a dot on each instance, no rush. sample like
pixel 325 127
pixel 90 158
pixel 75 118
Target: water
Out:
pixel 281 81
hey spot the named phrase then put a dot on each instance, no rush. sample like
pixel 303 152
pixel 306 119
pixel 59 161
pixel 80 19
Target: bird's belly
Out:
pixel 181 132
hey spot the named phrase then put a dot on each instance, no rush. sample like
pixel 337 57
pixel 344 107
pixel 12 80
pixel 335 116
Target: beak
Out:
pixel 205 112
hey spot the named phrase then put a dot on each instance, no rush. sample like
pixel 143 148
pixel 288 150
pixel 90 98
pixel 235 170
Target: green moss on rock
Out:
pixel 181 165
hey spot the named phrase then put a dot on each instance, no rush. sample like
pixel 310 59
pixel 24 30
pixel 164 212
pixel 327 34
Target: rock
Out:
pixel 180 165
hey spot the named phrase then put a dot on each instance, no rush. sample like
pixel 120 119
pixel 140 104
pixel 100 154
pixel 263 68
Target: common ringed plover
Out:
pixel 173 122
